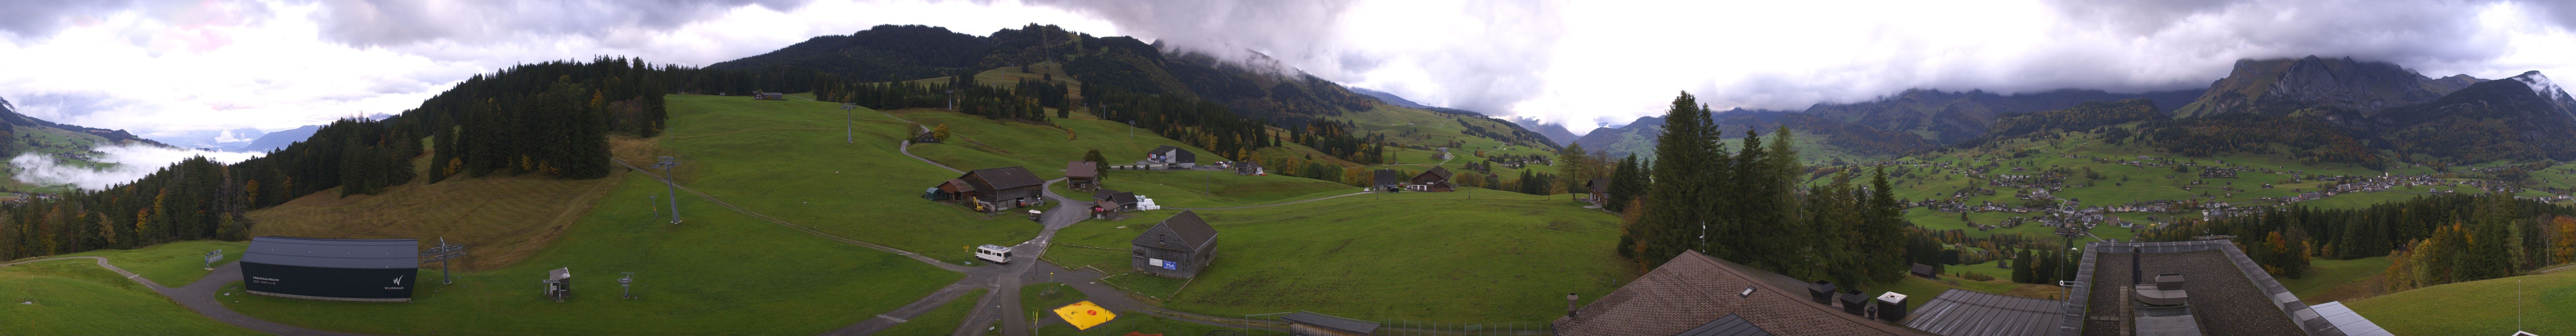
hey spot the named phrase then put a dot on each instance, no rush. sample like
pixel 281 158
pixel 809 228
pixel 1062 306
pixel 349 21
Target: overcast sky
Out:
pixel 167 67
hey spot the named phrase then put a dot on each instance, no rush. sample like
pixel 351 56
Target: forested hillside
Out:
pixel 1276 96
pixel 543 119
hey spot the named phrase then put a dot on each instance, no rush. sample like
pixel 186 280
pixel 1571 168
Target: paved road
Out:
pixel 200 297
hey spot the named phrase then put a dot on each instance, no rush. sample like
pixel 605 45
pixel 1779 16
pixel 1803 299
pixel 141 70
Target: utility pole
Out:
pixel 853 121
pixel 671 182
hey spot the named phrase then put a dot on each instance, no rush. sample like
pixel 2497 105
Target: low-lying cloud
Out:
pixel 118 164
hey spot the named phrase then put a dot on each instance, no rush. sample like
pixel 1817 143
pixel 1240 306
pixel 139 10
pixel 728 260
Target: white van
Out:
pixel 994 253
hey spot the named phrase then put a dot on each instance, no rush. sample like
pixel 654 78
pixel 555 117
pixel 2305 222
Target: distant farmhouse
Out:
pixel 768 96
pixel 1178 247
pixel 1387 180
pixel 1082 175
pixel 994 189
pixel 1435 180
pixel 1108 203
pixel 1600 191
pixel 1249 168
pixel 1171 156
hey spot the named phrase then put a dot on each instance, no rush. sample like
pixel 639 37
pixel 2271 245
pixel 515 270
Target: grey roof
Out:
pixel 1120 197
pixel 333 253
pixel 1388 177
pixel 1331 322
pixel 1442 172
pixel 1730 325
pixel 996 179
pixel 1183 232
pixel 1082 169
pixel 1962 312
pixel 2349 322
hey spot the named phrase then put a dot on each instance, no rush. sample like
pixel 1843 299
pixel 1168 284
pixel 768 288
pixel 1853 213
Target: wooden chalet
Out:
pixel 1082 175
pixel 1122 200
pixel 1695 294
pixel 1248 168
pixel 996 189
pixel 1171 156
pixel 1387 180
pixel 926 137
pixel 1434 180
pixel 1178 247
pixel 1600 191
pixel 768 96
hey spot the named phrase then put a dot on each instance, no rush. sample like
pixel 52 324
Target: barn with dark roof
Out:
pixel 1178 247
pixel 997 189
pixel 331 269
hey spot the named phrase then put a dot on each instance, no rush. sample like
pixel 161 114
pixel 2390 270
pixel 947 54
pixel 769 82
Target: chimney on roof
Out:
pixel 1569 304
pixel 1891 306
pixel 1822 292
pixel 1854 303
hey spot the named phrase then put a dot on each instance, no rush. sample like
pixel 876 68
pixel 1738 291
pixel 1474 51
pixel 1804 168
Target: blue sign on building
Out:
pixel 1171 265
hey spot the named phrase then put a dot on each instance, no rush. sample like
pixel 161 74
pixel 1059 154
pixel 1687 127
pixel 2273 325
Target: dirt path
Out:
pixel 199 296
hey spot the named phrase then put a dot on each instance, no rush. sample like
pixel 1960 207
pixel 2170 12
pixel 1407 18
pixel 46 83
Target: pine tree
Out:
pixel 1100 165
pixel 1687 164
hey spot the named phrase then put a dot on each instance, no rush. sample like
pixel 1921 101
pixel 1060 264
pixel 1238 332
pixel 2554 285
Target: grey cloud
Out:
pixel 36 19
pixel 1488 77
pixel 396 22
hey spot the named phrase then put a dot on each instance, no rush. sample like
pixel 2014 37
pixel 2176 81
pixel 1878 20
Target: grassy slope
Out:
pixel 2545 305
pixel 938 321
pixel 501 220
pixel 787 159
pixel 2327 276
pixel 1473 255
pixel 698 277
pixel 76 297
pixel 172 264
pixel 1204 189
pixel 695 278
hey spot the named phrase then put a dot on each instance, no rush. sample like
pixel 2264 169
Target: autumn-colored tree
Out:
pixel 2565 248
pixel 940 132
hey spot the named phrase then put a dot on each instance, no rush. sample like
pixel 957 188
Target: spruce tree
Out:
pixel 1675 209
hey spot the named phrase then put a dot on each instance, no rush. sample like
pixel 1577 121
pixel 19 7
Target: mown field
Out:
pixel 699 277
pixel 789 160
pixel 76 297
pixel 2541 304
pixel 1208 189
pixel 718 269
pixel 1470 256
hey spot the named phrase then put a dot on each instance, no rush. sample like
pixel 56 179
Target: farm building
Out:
pixel 768 96
pixel 1172 156
pixel 1178 247
pixel 1387 180
pixel 1600 191
pixel 1695 294
pixel 995 189
pixel 1124 200
pixel 1082 175
pixel 1312 324
pixel 1436 180
pixel 331 269
pixel 926 137
pixel 1249 168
